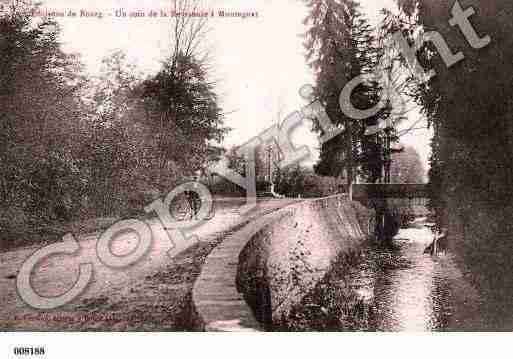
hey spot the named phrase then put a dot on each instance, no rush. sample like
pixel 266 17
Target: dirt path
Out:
pixel 154 294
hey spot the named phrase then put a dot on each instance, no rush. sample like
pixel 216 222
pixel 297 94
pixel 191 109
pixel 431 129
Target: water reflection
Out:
pixel 403 285
pixel 391 288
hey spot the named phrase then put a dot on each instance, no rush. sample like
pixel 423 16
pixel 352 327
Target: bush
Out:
pixel 303 181
pixel 225 188
pixel 13 220
pixel 137 201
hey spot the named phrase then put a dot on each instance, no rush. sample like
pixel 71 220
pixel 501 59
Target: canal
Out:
pixel 393 287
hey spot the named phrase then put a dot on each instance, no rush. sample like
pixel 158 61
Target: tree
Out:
pixel 114 149
pixel 183 113
pixel 40 118
pixel 469 107
pixel 407 167
pixel 340 46
pixel 471 90
pixel 180 103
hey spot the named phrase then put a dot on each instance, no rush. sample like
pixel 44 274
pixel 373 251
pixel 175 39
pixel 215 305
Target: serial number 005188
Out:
pixel 28 351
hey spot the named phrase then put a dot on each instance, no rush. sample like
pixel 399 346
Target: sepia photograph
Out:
pixel 178 167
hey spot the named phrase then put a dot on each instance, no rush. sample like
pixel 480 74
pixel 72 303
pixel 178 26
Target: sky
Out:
pixel 259 62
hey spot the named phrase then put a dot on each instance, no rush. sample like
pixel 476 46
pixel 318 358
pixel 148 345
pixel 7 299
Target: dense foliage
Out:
pixel 341 46
pixel 469 106
pixel 75 146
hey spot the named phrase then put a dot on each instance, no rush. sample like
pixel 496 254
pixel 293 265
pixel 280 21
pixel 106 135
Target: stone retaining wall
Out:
pixel 255 277
pixel 288 257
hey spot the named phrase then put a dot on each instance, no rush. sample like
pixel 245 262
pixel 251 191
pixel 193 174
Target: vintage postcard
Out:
pixel 172 166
